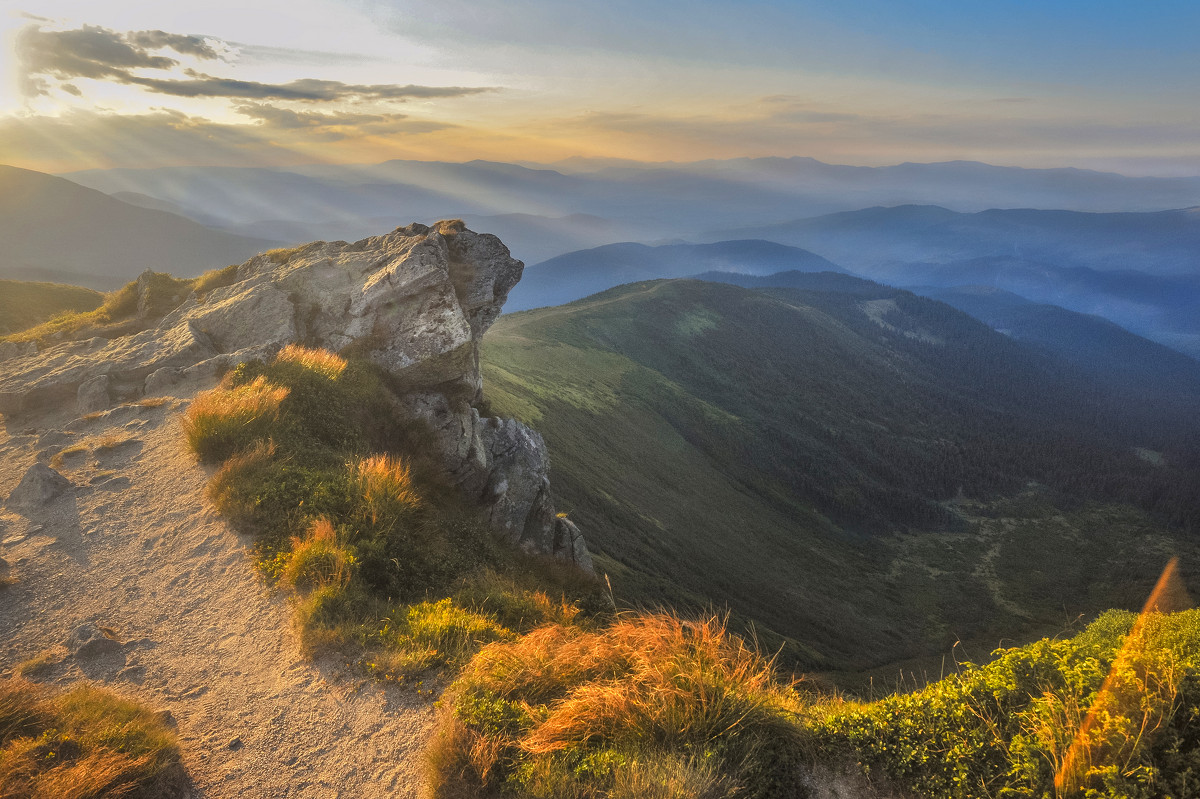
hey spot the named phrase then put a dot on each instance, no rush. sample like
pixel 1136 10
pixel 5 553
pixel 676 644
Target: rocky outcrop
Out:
pixel 416 302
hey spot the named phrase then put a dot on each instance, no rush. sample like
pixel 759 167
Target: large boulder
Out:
pixel 416 301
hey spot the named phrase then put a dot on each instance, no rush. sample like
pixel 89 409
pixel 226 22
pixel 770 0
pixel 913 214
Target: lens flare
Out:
pixel 1089 749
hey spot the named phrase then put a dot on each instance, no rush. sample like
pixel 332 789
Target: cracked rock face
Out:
pixel 416 302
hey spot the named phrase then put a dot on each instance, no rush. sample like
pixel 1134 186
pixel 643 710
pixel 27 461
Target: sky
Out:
pixel 1096 84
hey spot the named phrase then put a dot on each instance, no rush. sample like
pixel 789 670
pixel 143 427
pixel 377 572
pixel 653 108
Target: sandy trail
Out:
pixel 135 547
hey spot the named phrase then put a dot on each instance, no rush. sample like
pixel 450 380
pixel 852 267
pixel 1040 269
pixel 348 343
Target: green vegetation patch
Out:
pixel 649 706
pixel 82 744
pixel 115 313
pixel 355 519
pixel 860 502
pixel 652 707
pixel 23 304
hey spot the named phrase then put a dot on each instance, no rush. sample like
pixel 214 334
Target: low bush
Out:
pixel 1003 729
pixel 81 744
pixel 648 706
pixel 360 524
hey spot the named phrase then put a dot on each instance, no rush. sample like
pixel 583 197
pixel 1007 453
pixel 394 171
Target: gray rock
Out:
pixel 89 641
pixel 569 544
pixel 161 379
pixel 11 349
pixel 93 395
pixel 416 301
pixel 40 486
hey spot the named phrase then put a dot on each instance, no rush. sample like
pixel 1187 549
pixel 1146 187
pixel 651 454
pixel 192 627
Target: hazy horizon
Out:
pixel 1106 86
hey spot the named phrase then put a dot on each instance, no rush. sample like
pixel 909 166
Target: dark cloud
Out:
pixel 198 46
pixel 305 90
pixel 103 54
pixel 88 52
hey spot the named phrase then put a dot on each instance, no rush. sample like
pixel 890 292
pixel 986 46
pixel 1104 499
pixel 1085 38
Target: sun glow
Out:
pixel 1137 688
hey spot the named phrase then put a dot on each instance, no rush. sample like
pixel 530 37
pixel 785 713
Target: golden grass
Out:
pixel 223 421
pixel 386 483
pixel 153 402
pixel 649 699
pixel 82 744
pixel 316 360
pixel 227 490
pixel 37 665
pixel 318 559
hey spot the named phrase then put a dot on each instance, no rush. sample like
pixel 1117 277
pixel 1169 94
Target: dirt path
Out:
pixel 136 548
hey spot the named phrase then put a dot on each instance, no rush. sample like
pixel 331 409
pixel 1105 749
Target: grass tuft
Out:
pixel 319 559
pixel 641 708
pixel 317 360
pixel 83 744
pixel 221 422
pixel 387 487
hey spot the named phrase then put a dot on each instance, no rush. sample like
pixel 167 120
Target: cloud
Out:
pixel 102 54
pixel 303 90
pixel 198 46
pixel 81 139
pixel 337 125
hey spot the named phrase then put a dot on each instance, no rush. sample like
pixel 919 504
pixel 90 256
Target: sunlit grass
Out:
pixel 82 744
pixel 321 361
pixel 118 313
pixel 642 707
pixel 387 486
pixel 220 422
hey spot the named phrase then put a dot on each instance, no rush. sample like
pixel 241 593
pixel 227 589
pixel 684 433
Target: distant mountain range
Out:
pixel 578 274
pixel 654 202
pixel 55 230
pixel 847 464
pixel 1140 270
pixel 885 242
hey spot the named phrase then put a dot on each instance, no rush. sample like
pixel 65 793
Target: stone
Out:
pixel 416 302
pixel 93 395
pixel 89 641
pixel 569 544
pixel 12 349
pixel 40 486
pixel 235 744
pixel 160 380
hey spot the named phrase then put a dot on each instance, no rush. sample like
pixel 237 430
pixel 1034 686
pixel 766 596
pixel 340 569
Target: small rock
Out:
pixel 132 674
pixel 161 379
pixel 235 744
pixel 165 717
pixel 88 640
pixel 93 395
pixel 38 487
pixel 55 438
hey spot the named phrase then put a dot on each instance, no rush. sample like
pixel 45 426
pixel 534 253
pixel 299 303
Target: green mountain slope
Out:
pixel 56 230
pixel 794 456
pixel 23 305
